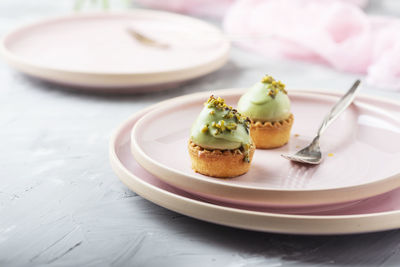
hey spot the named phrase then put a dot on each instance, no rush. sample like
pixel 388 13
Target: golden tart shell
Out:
pixel 271 134
pixel 219 163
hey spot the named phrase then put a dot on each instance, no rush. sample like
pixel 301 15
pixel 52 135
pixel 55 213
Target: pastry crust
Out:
pixel 219 163
pixel 271 134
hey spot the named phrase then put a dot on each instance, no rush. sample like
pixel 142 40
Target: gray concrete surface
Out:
pixel 61 204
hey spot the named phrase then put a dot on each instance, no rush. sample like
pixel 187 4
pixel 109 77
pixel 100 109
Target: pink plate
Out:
pixel 99 50
pixel 363 144
pixel 374 214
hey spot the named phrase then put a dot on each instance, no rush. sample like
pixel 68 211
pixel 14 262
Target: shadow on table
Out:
pixel 358 249
pixel 215 80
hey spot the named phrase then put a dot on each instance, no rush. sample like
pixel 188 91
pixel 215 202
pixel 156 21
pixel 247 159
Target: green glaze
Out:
pixel 265 101
pixel 218 126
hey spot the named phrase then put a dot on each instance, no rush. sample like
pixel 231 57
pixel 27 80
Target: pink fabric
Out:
pixel 212 8
pixel 328 31
pixel 333 32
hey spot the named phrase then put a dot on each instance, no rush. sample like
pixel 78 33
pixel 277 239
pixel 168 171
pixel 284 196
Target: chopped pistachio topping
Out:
pixel 225 120
pixel 231 126
pixel 267 79
pixel 274 86
pixel 204 129
pixel 221 125
pixel 217 103
pixel 229 115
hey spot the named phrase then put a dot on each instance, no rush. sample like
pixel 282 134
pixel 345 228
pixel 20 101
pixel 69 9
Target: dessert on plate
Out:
pixel 268 106
pixel 220 144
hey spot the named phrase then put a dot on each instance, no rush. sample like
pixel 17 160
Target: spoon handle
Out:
pixel 339 107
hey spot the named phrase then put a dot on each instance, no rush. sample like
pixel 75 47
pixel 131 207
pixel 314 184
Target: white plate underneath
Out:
pixel 374 214
pixel 99 50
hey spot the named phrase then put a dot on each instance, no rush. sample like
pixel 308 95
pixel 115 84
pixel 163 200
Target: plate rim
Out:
pixel 106 79
pixel 246 219
pixel 255 195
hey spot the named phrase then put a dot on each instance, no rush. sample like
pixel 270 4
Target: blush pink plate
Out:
pixel 98 51
pixel 372 214
pixel 368 131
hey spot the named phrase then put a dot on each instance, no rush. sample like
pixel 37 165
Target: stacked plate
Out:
pixel 353 190
pixel 139 50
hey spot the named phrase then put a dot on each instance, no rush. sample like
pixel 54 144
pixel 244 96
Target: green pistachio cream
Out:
pixel 266 101
pixel 219 126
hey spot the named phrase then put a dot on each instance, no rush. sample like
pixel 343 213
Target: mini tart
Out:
pixel 219 163
pixel 271 134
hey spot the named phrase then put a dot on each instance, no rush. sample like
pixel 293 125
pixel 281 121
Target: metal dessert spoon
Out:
pixel 145 40
pixel 312 153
